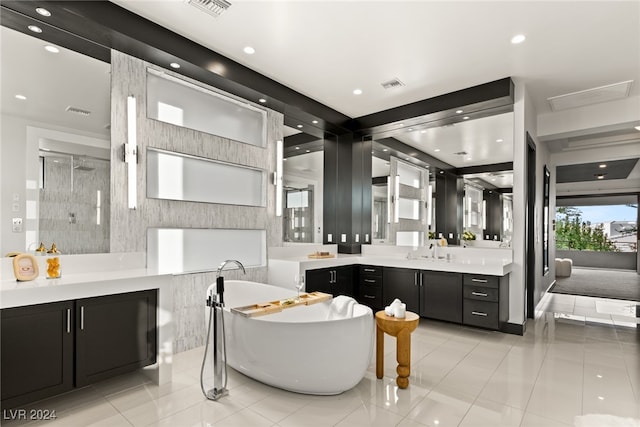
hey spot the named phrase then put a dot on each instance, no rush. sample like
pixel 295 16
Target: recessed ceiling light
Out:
pixel 42 11
pixel 602 166
pixel 297 148
pixel 249 50
pixel 637 128
pixel 423 131
pixel 385 149
pixel 499 140
pixel 308 151
pixel 284 160
pixel 262 100
pixel 410 129
pixel 441 172
pixel 459 111
pixel 600 175
pixel 35 28
pixel 357 91
pixel 465 118
pixel 21 97
pixel 315 122
pixel 175 65
pixel 51 49
pixel 299 126
pixel 518 39
pixel 436 150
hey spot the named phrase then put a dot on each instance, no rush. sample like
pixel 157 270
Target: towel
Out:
pixel 341 307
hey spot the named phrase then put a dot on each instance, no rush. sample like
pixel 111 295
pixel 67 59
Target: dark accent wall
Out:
pixel 449 193
pixel 494 215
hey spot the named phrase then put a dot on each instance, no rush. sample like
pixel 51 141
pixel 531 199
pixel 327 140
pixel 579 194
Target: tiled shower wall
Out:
pixel 129 227
pixel 68 211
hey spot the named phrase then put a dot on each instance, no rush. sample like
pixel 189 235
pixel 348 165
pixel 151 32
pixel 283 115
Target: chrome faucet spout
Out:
pixel 224 264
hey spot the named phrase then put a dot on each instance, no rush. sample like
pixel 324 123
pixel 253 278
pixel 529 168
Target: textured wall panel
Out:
pixel 129 227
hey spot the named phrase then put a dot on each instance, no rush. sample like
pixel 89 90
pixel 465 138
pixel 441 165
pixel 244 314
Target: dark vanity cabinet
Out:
pixel 334 280
pixel 48 349
pixel 486 300
pixel 36 352
pixel 441 295
pixel 114 334
pixel 401 283
pixel 370 286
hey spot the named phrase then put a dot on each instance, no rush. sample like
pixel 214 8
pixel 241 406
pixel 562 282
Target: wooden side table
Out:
pixel 400 328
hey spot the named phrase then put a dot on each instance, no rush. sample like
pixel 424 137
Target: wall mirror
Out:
pixel 303 179
pixel 465 148
pixel 55 146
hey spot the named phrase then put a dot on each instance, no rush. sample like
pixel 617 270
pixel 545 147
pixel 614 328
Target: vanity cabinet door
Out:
pixel 343 281
pixel 441 296
pixel 36 352
pixel 334 281
pixel 319 280
pixel 115 334
pixel 401 283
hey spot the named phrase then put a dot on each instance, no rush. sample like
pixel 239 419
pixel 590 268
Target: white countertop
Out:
pixel 477 265
pixel 83 276
pixel 75 286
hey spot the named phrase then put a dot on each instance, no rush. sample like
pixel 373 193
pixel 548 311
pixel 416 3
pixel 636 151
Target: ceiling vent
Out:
pixel 393 83
pixel 591 96
pixel 76 110
pixel 212 7
pixel 461 153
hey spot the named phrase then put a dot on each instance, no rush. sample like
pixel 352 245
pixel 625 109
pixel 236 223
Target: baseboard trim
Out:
pixel 513 328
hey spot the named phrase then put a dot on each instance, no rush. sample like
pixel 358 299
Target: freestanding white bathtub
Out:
pixel 297 349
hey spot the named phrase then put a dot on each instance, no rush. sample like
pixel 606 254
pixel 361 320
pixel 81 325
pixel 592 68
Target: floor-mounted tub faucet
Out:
pixel 215 331
pixel 220 278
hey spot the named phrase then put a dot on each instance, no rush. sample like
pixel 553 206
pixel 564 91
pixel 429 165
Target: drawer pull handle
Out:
pixel 479 280
pixel 370 296
pixel 68 320
pixel 369 280
pixel 479 313
pixel 82 318
pixel 369 270
pixel 479 294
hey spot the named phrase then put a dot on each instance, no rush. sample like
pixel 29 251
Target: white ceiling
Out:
pixel 326 49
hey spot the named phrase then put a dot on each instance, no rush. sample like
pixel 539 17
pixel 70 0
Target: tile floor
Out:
pixel 578 364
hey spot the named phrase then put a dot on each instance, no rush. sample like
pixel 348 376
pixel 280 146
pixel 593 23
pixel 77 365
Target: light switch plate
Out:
pixel 329 237
pixel 343 238
pixel 16 225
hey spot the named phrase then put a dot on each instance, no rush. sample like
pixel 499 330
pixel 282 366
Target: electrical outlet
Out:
pixel 357 238
pixel 329 237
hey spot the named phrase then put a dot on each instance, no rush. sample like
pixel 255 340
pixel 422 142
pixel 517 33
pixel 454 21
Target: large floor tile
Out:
pixel 441 409
pixel 485 413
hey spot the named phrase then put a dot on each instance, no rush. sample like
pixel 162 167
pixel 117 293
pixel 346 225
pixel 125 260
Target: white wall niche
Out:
pixel 177 176
pixel 181 103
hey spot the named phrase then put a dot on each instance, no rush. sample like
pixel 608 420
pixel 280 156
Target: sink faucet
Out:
pixel 220 278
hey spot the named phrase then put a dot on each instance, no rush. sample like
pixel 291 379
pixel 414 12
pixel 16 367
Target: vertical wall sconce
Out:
pixel 278 176
pixel 397 199
pixel 389 200
pixel 484 214
pixel 131 152
pixel 429 203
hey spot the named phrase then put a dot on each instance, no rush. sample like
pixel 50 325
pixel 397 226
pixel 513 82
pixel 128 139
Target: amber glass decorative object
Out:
pixel 53 267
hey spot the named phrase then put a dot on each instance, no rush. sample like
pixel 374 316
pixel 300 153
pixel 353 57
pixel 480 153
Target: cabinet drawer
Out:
pixel 481 293
pixel 480 313
pixel 371 295
pixel 370 270
pixel 371 281
pixel 481 280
